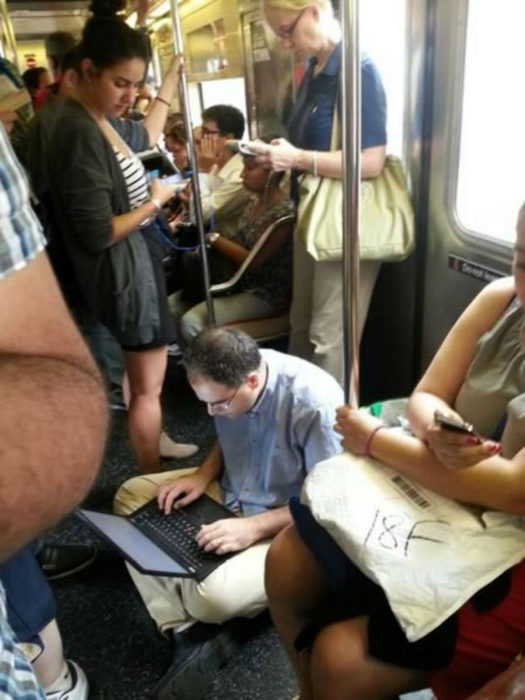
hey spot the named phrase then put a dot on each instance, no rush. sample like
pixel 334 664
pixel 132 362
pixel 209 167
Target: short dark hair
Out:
pixel 31 77
pixel 224 355
pixel 107 40
pixel 58 45
pixel 70 60
pixel 229 119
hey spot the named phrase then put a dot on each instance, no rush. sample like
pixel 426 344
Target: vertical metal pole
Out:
pixel 9 32
pixel 185 102
pixel 351 123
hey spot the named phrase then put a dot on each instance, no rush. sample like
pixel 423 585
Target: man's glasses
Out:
pixel 288 32
pixel 224 404
pixel 210 132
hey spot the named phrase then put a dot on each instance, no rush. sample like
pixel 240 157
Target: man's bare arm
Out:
pixel 53 418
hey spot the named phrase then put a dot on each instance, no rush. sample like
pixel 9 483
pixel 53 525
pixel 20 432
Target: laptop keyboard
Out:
pixel 176 534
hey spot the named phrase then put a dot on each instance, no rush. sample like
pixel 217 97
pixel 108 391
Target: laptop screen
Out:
pixel 138 549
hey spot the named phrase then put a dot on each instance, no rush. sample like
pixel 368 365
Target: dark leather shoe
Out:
pixel 61 560
pixel 199 652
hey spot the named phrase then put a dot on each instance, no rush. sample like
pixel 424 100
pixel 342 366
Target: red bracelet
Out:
pixel 369 440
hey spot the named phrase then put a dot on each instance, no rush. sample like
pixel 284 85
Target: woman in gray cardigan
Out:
pixel 106 211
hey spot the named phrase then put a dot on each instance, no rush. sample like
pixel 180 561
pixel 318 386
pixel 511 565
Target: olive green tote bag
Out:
pixel 387 218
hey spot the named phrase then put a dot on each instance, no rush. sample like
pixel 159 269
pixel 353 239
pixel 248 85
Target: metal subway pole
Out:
pixel 185 102
pixel 9 32
pixel 351 138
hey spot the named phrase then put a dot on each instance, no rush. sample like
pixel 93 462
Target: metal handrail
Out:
pixel 351 146
pixel 185 104
pixel 254 252
pixel 9 32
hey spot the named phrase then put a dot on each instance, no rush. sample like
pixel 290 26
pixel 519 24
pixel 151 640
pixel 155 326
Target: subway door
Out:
pixel 389 33
pixel 476 182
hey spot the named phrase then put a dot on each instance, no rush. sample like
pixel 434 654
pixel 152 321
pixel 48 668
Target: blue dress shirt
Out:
pixel 269 450
pixel 310 124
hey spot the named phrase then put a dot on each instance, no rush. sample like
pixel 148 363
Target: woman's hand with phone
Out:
pixel 277 155
pixel 161 190
pixel 455 443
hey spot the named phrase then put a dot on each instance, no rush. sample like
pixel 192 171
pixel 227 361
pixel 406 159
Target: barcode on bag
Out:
pixel 408 490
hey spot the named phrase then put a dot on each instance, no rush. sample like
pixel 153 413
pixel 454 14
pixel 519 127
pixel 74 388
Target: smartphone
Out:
pixel 172 179
pixel 449 422
pixel 177 180
pixel 240 147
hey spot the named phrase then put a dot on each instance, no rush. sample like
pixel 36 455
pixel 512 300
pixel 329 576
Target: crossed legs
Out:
pixel 338 666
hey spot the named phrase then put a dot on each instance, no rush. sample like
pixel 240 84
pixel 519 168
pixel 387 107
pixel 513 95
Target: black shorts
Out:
pixel 355 595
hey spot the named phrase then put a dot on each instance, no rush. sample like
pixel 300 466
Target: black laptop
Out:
pixel 160 544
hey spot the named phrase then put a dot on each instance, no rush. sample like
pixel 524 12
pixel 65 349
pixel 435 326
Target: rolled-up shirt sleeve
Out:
pixel 319 439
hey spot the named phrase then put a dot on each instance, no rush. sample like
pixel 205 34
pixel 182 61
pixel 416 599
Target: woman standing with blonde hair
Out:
pixel 311 30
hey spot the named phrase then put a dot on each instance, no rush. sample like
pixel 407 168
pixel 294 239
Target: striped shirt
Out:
pixel 21 237
pixel 24 114
pixel 134 177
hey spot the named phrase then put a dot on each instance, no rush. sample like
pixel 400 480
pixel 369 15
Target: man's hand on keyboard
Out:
pixel 180 492
pixel 229 535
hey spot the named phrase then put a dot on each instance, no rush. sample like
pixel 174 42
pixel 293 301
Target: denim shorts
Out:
pixel 29 599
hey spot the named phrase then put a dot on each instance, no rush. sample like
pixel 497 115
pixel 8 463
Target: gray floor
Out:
pixel 104 624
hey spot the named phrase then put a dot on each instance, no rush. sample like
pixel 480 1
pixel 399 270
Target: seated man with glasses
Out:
pixel 274 417
pixel 223 196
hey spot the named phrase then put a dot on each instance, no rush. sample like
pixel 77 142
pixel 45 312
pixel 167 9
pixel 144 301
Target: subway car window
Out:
pixel 383 38
pixel 213 92
pixel 490 181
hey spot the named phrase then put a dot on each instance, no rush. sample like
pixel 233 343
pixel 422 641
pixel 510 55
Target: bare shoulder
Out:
pixel 501 290
pixel 490 303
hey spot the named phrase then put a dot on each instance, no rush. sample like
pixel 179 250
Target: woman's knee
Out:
pixel 146 372
pixel 342 669
pixel 338 651
pixel 292 575
pixel 338 667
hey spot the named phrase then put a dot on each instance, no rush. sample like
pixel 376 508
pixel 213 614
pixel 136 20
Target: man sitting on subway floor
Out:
pixel 274 416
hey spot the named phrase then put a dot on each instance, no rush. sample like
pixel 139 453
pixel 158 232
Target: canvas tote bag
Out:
pixel 428 553
pixel 387 218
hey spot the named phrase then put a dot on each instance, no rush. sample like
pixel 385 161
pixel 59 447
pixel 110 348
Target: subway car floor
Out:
pixel 104 623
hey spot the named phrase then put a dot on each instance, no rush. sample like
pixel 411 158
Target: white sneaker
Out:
pixel 78 691
pixel 169 449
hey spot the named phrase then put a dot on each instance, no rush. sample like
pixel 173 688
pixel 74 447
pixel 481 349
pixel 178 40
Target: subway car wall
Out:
pixel 423 49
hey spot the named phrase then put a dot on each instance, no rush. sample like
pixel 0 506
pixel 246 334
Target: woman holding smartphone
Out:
pixel 106 211
pixel 311 30
pixel 477 375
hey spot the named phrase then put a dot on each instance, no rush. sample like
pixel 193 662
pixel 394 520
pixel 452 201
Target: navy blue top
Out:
pixel 310 123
